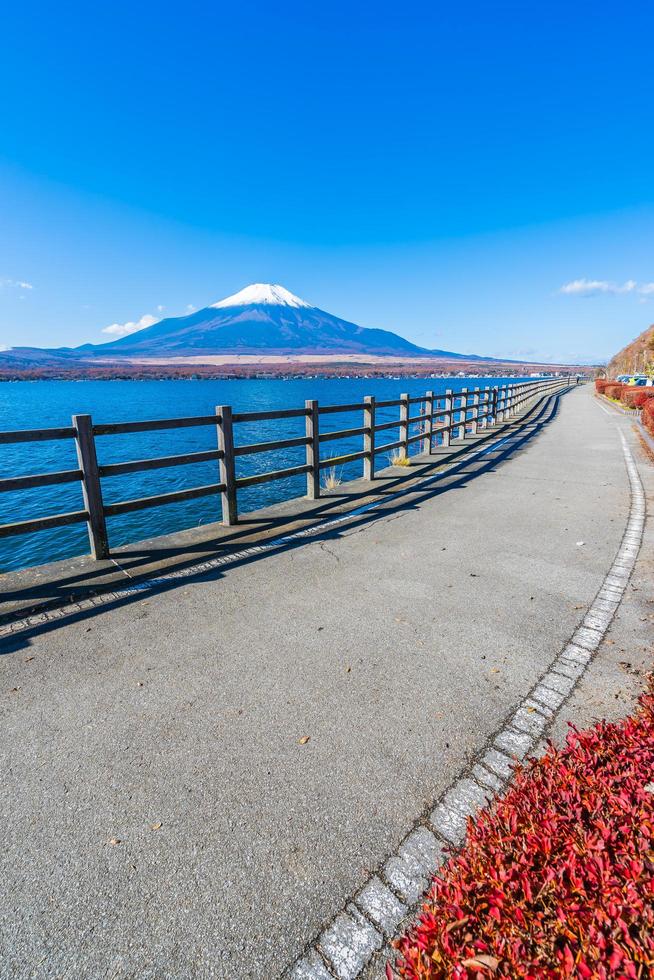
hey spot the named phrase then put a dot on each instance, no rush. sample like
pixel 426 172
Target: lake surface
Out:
pixel 43 404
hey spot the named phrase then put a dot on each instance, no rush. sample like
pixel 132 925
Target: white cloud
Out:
pixel 15 284
pixel 595 287
pixel 123 329
pixel 590 287
pixel 191 308
pixel 160 308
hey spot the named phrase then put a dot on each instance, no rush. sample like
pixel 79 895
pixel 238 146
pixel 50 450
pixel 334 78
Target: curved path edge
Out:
pixel 362 931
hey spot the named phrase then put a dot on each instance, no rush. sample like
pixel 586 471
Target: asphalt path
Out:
pixel 196 781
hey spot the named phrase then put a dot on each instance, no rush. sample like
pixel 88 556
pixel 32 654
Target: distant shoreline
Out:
pixel 249 366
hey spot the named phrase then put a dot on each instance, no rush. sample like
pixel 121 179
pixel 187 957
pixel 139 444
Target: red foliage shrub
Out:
pixel 600 385
pixel 629 395
pixel 613 390
pixel 641 396
pixel 648 415
pixel 557 878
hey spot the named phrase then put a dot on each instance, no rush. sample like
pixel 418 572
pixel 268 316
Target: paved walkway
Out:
pixel 617 675
pixel 163 813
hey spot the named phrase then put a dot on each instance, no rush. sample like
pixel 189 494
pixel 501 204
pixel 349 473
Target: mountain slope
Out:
pixel 260 319
pixel 263 320
pixel 638 356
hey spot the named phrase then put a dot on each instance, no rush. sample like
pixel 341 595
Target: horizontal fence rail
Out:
pixel 441 420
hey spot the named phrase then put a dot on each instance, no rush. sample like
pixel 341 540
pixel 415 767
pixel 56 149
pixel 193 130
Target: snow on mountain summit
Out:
pixel 265 293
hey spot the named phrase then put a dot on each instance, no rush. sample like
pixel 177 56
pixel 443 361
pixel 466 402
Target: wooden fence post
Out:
pixel 463 412
pixel 447 432
pixel 505 403
pixel 474 427
pixel 227 467
pixel 429 422
pixel 486 407
pixel 404 425
pixel 91 486
pixel 492 419
pixel 313 449
pixel 369 438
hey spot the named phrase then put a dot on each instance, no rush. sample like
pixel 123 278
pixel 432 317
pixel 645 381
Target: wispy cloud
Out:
pixel 15 284
pixel 595 287
pixel 132 326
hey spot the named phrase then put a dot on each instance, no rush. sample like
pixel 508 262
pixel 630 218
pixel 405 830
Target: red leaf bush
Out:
pixel 629 395
pixel 600 385
pixel 648 415
pixel 557 878
pixel 642 395
pixel 614 390
pixel 635 397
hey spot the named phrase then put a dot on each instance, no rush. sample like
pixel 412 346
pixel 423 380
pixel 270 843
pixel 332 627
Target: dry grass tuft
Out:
pixel 331 478
pixel 397 458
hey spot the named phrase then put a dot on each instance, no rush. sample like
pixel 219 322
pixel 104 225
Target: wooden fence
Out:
pixel 441 419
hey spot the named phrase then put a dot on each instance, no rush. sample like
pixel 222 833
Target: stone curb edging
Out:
pixel 87 604
pixel 631 412
pixel 373 916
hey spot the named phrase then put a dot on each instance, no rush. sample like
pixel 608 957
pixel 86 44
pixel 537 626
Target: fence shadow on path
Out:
pixel 352 509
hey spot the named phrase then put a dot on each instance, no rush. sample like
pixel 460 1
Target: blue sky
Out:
pixel 437 170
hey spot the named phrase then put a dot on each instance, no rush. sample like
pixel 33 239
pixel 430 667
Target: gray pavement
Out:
pixel 618 673
pixel 162 817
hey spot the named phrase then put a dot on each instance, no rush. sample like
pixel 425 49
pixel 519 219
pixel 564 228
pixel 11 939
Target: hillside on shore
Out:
pixel 636 358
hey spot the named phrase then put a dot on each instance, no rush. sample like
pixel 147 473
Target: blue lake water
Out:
pixel 43 404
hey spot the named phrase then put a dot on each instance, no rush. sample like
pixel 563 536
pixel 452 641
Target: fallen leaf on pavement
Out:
pixel 304 739
pixel 156 826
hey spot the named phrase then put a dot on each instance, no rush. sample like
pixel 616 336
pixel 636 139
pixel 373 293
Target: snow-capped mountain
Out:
pixel 263 318
pixel 265 293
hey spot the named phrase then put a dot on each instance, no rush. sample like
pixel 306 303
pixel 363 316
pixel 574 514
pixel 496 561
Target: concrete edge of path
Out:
pixel 360 934
pixel 504 434
pixel 620 409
